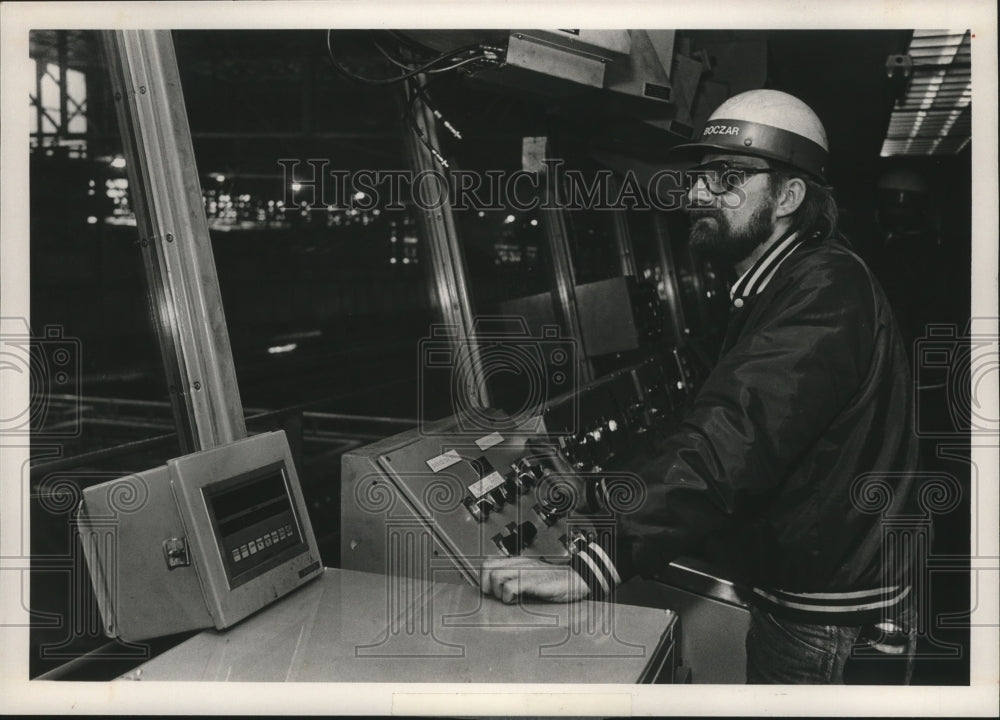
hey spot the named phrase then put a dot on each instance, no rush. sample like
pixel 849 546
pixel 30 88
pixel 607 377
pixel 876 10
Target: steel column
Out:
pixel 563 275
pixel 63 129
pixel 450 291
pixel 165 191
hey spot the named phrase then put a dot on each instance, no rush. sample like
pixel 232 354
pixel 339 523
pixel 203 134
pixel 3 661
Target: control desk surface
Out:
pixel 349 626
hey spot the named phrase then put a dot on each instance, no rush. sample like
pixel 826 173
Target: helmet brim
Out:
pixel 740 137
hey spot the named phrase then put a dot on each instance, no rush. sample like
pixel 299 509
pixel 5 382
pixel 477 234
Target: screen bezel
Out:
pixel 188 475
pixel 214 489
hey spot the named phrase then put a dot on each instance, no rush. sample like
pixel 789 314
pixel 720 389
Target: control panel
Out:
pixel 459 495
pixel 450 493
pixel 615 417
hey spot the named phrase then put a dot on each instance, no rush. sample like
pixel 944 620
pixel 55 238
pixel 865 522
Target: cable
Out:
pixel 390 58
pixel 408 114
pixel 388 81
pixel 480 56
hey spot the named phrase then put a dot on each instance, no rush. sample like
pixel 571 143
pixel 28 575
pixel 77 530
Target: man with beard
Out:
pixel 799 444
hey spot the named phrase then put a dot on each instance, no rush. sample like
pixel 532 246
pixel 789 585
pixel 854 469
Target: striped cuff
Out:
pixel 835 608
pixel 595 566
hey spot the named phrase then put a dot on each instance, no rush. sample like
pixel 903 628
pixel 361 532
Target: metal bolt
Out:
pixel 170 237
pixel 118 96
pixel 144 242
pixel 197 385
pixel 142 89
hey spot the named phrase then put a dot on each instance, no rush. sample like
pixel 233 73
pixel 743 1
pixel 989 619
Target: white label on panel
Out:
pixel 478 489
pixel 488 441
pixel 444 460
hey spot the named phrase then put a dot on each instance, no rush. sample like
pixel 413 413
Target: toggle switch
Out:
pixel 547 513
pixel 515 486
pixel 479 509
pixel 490 502
pixel 527 473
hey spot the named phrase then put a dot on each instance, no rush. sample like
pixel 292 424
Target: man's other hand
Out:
pixel 511 578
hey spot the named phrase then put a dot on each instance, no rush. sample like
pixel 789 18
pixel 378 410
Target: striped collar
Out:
pixel 754 280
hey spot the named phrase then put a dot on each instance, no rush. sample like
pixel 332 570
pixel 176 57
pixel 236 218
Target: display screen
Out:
pixel 254 522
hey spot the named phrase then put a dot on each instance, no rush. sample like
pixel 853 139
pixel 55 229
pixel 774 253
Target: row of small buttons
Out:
pixel 266 540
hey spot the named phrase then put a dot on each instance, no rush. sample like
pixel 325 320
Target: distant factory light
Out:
pixel 118 162
pixel 481 213
pixel 534 222
pixel 509 219
pixel 278 349
pixel 296 187
pixel 359 195
pixel 220 178
pixel 392 261
pixel 91 220
pixel 406 261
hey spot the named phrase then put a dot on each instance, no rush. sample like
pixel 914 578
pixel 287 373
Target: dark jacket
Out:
pixel 801 440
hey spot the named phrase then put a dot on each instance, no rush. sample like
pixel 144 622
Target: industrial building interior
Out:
pixel 331 308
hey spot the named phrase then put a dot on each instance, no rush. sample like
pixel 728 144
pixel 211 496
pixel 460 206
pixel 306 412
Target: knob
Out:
pixel 510 544
pixel 499 495
pixel 517 538
pixel 528 531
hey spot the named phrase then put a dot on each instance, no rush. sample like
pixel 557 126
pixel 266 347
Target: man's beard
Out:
pixel 713 236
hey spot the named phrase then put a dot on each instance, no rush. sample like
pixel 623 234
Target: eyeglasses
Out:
pixel 721 176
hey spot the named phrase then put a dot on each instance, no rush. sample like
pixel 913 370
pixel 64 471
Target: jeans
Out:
pixel 780 651
pixel 783 652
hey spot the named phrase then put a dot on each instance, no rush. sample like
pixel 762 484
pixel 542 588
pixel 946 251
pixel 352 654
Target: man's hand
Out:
pixel 511 578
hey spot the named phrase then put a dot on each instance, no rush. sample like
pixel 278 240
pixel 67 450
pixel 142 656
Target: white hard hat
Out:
pixel 768 124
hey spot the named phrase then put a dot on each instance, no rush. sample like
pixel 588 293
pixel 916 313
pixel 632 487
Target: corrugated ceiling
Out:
pixel 934 118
